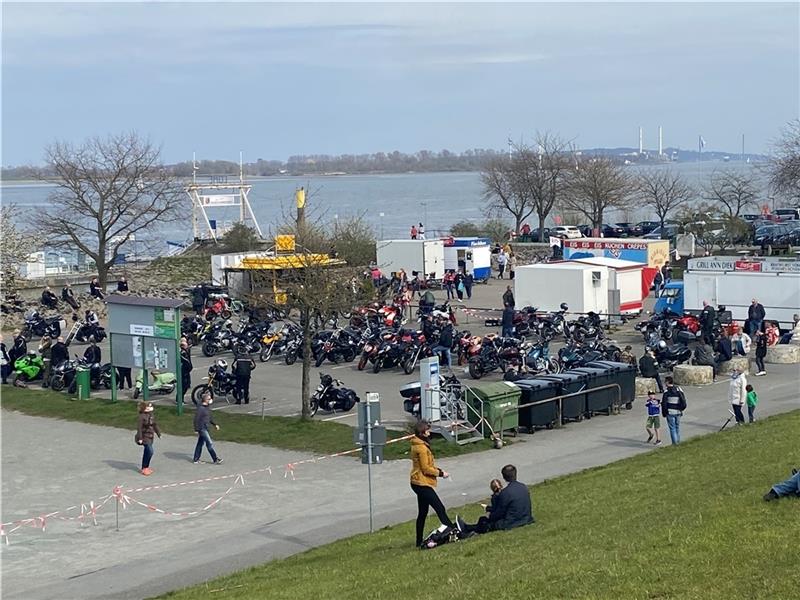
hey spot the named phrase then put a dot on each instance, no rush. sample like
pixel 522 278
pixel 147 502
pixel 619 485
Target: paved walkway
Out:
pixel 50 465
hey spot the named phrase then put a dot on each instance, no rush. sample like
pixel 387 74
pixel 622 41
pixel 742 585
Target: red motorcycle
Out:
pixel 218 307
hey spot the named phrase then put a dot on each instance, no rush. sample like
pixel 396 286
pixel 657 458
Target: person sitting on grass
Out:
pixel 511 509
pixel 790 487
pixel 482 526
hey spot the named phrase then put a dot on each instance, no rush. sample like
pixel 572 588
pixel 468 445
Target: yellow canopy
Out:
pixel 287 261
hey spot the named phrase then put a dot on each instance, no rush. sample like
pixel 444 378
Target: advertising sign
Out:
pixel 219 200
pixel 165 323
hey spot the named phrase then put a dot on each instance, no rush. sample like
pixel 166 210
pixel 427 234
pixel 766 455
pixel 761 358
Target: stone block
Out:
pixel 692 374
pixel 742 362
pixel 644 385
pixel 783 354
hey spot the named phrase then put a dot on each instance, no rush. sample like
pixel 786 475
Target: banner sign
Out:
pixel 755 264
pixel 219 200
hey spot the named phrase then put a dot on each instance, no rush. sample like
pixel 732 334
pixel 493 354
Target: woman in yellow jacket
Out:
pixel 423 479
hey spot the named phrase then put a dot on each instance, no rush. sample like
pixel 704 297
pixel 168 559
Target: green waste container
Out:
pixel 495 400
pixel 82 384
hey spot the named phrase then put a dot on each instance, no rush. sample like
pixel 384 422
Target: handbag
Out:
pixel 461 287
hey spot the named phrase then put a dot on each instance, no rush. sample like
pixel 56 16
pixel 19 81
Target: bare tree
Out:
pixel 664 191
pixel 505 189
pixel 784 165
pixel 597 184
pixel 713 226
pixel 15 246
pixel 108 190
pixel 731 191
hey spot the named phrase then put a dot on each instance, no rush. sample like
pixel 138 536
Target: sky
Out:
pixel 275 80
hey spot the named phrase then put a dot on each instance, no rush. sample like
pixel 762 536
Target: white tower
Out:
pixel 660 142
pixel 641 140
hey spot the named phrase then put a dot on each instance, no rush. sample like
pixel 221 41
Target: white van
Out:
pixel 569 232
pixel 788 214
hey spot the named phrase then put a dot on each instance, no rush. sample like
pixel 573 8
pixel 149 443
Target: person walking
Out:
pixel 122 284
pixel 653 424
pixel 421 232
pixel 755 317
pixel 424 474
pixel 707 317
pixel 657 282
pixel 508 297
pixel 95 290
pixel 502 260
pixel 507 321
pixel 752 402
pixel 68 296
pixel 673 403
pixel 737 393
pixel 46 352
pixel 414 232
pixel 648 367
pixel 202 419
pixel 242 367
pixel 761 353
pixel 469 279
pixel 5 361
pixel 146 433
pixel 186 368
pixel 448 282
pixel 460 287
pixel 512 265
pixel 123 375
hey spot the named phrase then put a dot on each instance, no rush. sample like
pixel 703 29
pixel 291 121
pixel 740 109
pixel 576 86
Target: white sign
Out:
pixel 137 350
pixel 554 241
pixel 142 330
pixel 169 315
pixel 218 200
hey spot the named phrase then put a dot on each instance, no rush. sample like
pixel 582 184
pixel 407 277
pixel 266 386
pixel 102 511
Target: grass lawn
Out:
pixel 678 522
pixel 289 433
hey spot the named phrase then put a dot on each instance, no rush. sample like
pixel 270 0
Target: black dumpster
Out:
pixel 624 375
pixel 541 415
pixel 598 401
pixel 574 407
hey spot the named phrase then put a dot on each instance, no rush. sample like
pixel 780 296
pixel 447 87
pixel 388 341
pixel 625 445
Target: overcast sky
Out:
pixel 278 79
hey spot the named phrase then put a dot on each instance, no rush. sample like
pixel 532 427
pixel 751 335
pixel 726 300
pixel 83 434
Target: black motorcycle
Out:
pixel 90 332
pixel 392 351
pixel 294 347
pixel 669 356
pixel 331 396
pixel 496 353
pixel 218 339
pixel 340 345
pixel 550 325
pixel 36 325
pixel 219 382
pixel 63 375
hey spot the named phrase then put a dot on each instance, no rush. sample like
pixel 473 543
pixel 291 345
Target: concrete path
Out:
pixel 49 465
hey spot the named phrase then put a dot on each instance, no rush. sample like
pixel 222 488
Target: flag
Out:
pixel 554 241
pixel 702 142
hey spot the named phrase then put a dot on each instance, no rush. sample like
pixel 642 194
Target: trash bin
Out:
pixel 599 401
pixel 83 385
pixel 569 382
pixel 544 414
pixel 495 400
pixel 625 375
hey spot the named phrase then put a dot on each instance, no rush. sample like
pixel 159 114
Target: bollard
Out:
pixel 263 402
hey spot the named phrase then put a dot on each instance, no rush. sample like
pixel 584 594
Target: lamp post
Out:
pixel 381 216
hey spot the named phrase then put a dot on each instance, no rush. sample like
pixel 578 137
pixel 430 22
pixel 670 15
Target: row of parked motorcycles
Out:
pixel 83 330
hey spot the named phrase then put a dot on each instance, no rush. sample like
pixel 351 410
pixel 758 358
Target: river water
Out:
pixel 389 203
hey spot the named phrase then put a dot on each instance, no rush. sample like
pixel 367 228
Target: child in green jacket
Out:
pixel 752 400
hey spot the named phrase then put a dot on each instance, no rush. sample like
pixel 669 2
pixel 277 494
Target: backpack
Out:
pixel 440 536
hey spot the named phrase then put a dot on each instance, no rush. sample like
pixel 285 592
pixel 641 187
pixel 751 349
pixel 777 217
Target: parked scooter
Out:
pixel 161 383
pixel 332 396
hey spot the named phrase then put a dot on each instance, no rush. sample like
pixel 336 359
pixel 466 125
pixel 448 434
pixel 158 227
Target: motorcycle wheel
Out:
pixel 579 335
pixel 240 349
pixel 362 363
pixel 349 355
pixel 553 366
pixel 313 405
pixel 475 370
pixel 136 393
pixel 209 350
pixel 198 391
pixel 226 314
pixel 290 358
pixel 408 365
pixel 376 368
pixel 667 334
pixel 107 383
pixel 56 384
pixel 319 360
pixel 265 354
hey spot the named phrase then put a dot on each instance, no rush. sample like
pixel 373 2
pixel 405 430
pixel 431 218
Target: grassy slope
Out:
pixel 685 522
pixel 280 432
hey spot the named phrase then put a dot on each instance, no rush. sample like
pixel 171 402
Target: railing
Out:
pixel 559 400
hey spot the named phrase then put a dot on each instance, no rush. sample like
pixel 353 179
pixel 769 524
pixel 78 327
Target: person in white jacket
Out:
pixel 737 394
pixel 740 342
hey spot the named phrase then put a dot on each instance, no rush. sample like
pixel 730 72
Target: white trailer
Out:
pixel 425 257
pixel 734 282
pixel 472 254
pixel 545 286
pixel 625 276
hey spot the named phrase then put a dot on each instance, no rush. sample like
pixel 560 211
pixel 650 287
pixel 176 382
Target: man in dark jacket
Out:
pixel 445 343
pixel 68 296
pixel 122 284
pixel 508 297
pixel 648 367
pixel 510 508
pixel 704 356
pixel 49 299
pixel 202 419
pixel 198 299
pixel 755 317
pixel 707 317
pixel 92 354
pixel 724 347
pixel 59 352
pixel 242 367
pixel 508 320
pixel 468 281
pixel 673 403
pixel 18 349
pixel 5 361
pixel 186 369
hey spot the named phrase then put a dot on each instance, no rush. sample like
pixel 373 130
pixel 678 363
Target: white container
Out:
pixel 625 276
pixel 545 286
pixel 421 256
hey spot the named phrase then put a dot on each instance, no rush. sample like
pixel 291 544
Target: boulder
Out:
pixel 783 354
pixel 742 362
pixel 692 374
pixel 644 385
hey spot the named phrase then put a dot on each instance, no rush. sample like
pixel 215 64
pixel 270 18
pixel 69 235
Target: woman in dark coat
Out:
pixel 146 433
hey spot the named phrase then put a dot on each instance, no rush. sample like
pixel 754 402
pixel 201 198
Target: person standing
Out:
pixel 648 367
pixel 507 321
pixel 657 282
pixel 198 299
pixel 146 433
pixel 445 343
pixel 59 352
pixel 46 352
pixel 421 232
pixel 460 287
pixel 673 403
pixel 122 284
pixel 202 419
pixel 186 368
pixel 761 353
pixel 508 297
pixel 755 317
pixel 707 317
pixel 502 259
pixel 123 375
pixel 512 265
pixel 95 290
pixel 414 232
pixel 469 279
pixel 737 393
pixel 68 296
pixel 18 349
pixel 449 282
pixel 752 402
pixel 424 473
pixel 5 361
pixel 242 367
pixel 653 424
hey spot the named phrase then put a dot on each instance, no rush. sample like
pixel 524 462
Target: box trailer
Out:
pixel 651 253
pixel 545 286
pixel 626 277
pixel 425 257
pixel 734 282
pixel 470 254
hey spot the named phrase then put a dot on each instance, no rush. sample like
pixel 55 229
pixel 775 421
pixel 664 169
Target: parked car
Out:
pixel 630 229
pixel 773 235
pixel 788 214
pixel 647 226
pixel 750 218
pixel 569 232
pixel 605 230
pixel 668 233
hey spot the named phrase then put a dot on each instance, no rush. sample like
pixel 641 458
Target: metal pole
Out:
pixel 369 462
pixel 263 401
pixel 117 503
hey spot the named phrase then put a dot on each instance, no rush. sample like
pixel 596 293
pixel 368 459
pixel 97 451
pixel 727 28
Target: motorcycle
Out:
pixel 192 327
pixel 294 347
pixel 218 339
pixel 585 327
pixel 451 398
pixel 660 324
pixel 28 368
pixel 668 357
pixel 331 396
pixel 84 332
pixel 341 345
pixel 392 351
pixel 274 342
pixel 416 348
pixel 495 353
pixel 219 382
pixel 63 375
pixel 219 307
pixel 538 359
pixel 162 384
pixel 372 339
pixel 36 325
pixel 552 324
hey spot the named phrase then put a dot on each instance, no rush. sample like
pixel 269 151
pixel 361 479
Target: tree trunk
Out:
pixel 541 227
pixel 102 272
pixel 305 391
